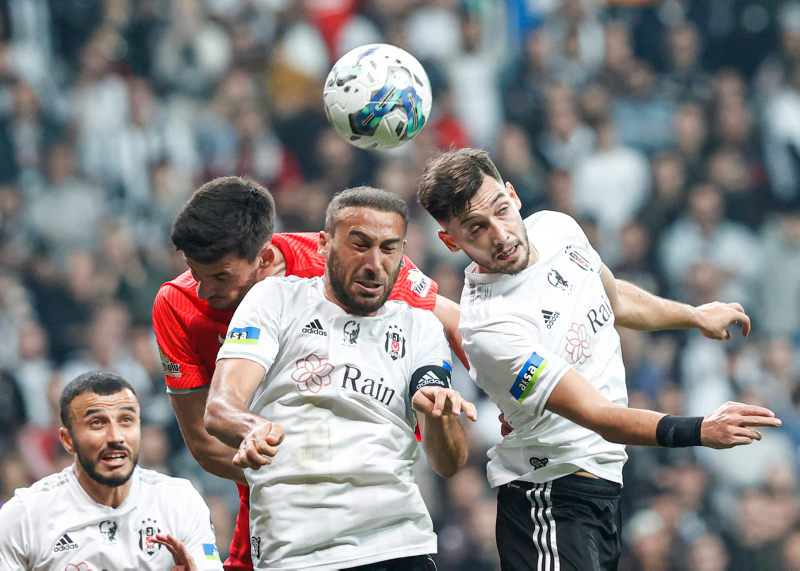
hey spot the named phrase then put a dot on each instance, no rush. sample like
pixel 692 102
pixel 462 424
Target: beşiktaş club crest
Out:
pixel 147 536
pixel 395 343
pixel 255 545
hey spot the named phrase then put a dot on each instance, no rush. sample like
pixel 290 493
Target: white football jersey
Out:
pixel 523 332
pixel 55 525
pixel 339 492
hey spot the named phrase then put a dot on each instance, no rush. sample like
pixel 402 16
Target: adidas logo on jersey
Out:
pixel 429 379
pixel 315 328
pixel 65 544
pixel 550 317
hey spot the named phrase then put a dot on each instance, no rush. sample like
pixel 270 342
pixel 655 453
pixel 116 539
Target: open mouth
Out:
pixel 507 254
pixel 114 458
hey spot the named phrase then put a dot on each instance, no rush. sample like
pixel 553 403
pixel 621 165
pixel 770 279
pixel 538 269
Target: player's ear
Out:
pixel 324 243
pixel 514 195
pixel 448 241
pixel 66 440
pixel 266 255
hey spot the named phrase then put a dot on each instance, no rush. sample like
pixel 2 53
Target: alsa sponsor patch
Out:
pixel 420 283
pixel 170 369
pixel 244 335
pixel 527 377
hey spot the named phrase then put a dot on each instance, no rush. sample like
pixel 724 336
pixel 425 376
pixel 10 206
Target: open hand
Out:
pixel 259 446
pixel 729 425
pixel 181 556
pixel 438 401
pixel 715 317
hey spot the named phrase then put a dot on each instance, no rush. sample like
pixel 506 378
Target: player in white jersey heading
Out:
pixel 320 383
pixel 538 311
pixel 104 512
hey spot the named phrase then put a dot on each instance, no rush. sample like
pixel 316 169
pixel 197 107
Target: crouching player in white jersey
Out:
pixel 103 512
pixel 317 384
pixel 538 311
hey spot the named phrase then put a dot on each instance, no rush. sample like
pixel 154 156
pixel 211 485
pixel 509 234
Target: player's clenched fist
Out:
pixel 259 446
pixel 436 401
pixel 730 425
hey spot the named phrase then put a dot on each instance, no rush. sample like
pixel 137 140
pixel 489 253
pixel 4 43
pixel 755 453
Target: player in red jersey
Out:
pixel 225 233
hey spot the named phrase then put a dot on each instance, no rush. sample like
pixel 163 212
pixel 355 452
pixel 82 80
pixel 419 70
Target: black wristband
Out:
pixel 679 431
pixel 427 376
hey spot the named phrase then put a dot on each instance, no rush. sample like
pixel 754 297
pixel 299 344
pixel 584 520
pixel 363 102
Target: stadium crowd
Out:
pixel 670 129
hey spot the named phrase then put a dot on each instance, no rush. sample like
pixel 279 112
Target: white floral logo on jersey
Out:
pixel 578 346
pixel 312 373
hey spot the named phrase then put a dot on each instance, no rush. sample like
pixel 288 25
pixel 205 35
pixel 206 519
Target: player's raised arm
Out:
pixel 732 424
pixel 635 308
pixel 228 418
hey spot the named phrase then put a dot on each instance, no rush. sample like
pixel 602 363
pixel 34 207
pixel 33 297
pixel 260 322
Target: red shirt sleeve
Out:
pixel 183 367
pixel 414 287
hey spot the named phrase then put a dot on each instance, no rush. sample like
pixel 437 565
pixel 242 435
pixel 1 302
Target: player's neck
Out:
pixel 111 497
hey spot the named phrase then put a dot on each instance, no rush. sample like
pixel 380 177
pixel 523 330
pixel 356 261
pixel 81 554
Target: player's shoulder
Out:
pixel 179 293
pixel 396 309
pixel 45 490
pixel 163 485
pixel 551 221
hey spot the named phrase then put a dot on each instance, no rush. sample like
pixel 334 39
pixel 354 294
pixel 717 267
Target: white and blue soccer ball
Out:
pixel 377 97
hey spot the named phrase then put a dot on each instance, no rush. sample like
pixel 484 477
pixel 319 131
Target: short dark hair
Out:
pixel 367 197
pixel 227 214
pixel 98 382
pixel 452 179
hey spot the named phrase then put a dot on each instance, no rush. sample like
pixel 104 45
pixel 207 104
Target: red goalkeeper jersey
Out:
pixel 190 333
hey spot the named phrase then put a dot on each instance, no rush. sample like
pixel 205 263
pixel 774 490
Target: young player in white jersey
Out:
pixel 331 375
pixel 538 312
pixel 104 512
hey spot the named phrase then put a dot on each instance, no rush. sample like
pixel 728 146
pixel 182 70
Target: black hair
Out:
pixel 367 197
pixel 452 179
pixel 228 214
pixel 98 382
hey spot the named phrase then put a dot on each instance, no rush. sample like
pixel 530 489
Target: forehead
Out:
pixel 108 403
pixel 482 203
pixel 228 263
pixel 376 224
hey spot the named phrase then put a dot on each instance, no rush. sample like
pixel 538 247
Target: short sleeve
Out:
pixel 198 537
pixel 414 287
pixel 254 332
pixel 431 348
pixel 183 368
pixel 15 548
pixel 508 361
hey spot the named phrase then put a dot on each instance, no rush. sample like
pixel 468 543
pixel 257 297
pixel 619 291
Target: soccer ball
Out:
pixel 377 97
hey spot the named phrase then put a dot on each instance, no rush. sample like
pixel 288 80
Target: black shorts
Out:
pixel 414 563
pixel 570 523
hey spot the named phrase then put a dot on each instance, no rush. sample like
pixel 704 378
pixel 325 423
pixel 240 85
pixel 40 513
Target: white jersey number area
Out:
pixel 523 332
pixel 55 525
pixel 339 386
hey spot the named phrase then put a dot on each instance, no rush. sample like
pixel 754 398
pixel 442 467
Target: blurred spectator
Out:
pixel 515 160
pixel 12 411
pixel 702 252
pixel 643 117
pixel 567 142
pixel 779 279
pixel 35 373
pixel 777 68
pixel 66 216
pixel 685 81
pixel 577 36
pixel 192 52
pixel 782 139
pixel 611 185
pixel 691 140
pixel 525 89
pixel 619 62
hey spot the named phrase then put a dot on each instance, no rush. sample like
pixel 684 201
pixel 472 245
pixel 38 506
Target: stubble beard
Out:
pixel 337 278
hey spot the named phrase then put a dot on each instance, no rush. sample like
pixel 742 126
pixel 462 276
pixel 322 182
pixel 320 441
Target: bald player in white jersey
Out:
pixel 104 512
pixel 320 384
pixel 538 312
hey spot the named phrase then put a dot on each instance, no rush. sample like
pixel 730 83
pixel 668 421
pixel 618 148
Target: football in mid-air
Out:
pixel 377 97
